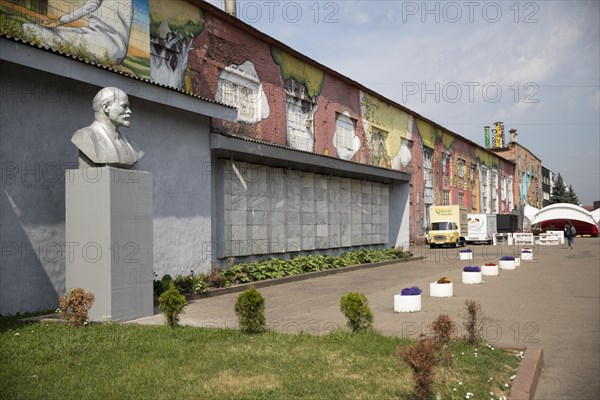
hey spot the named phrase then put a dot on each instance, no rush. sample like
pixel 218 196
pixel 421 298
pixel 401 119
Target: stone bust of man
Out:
pixel 101 144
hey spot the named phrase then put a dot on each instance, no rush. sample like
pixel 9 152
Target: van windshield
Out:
pixel 442 226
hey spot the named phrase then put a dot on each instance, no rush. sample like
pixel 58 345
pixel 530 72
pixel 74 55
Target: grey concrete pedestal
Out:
pixel 109 240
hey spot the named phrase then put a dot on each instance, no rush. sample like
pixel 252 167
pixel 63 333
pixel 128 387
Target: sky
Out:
pixel 534 65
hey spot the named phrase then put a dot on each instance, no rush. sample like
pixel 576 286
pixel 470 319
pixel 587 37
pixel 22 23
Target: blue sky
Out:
pixel 534 65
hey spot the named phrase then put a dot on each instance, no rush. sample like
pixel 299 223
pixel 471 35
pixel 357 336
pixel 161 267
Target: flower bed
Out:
pixel 527 254
pixel 471 275
pixel 409 300
pixel 442 288
pixel 466 254
pixel 507 262
pixel 490 269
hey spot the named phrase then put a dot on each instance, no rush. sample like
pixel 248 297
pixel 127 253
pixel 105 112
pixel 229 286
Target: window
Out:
pixel 461 168
pixel 472 172
pixel 461 199
pixel 240 89
pixel 345 137
pixel 509 184
pixel 299 123
pixel 380 155
pixel 445 197
pixel 428 174
pixel 494 189
pixel 446 164
pixel 300 110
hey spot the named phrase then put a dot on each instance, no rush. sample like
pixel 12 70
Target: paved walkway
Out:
pixel 553 302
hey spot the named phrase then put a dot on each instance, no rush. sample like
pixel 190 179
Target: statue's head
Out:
pixel 111 105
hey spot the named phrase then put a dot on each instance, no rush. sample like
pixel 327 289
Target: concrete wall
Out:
pixel 39 113
pixel 274 210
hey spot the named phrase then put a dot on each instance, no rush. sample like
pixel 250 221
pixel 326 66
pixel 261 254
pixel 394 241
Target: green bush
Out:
pixel 172 303
pixel 356 309
pixel 277 268
pixel 250 309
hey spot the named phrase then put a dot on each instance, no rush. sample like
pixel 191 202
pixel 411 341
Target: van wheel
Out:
pixel 432 246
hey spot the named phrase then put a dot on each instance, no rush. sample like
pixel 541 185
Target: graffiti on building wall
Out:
pixel 239 86
pixel 173 26
pixel 302 84
pixel 345 139
pixel 109 32
pixel 388 132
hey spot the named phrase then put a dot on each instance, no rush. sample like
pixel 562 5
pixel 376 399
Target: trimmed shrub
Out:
pixel 250 309
pixel 356 309
pixel 171 303
pixel 75 305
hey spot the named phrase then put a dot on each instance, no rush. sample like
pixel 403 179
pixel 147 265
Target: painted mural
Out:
pixel 388 132
pixel 109 32
pixel 173 26
pixel 281 98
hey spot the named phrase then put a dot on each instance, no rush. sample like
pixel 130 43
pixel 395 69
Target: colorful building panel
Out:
pixel 282 97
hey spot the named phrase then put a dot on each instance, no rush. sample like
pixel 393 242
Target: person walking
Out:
pixel 569 233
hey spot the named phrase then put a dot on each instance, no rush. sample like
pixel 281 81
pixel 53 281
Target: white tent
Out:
pixel 596 216
pixel 563 211
pixel 530 211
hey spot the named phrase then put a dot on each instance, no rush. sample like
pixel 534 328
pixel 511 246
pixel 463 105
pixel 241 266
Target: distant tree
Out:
pixel 559 191
pixel 572 196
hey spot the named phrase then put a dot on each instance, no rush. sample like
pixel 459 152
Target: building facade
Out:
pixel 528 173
pixel 256 150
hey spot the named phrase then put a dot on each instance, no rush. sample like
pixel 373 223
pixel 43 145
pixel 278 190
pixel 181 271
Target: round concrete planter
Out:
pixel 466 255
pixel 490 270
pixel 471 278
pixel 407 303
pixel 507 264
pixel 441 289
pixel 527 256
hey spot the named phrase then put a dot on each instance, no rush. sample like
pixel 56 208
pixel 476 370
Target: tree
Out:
pixel 559 191
pixel 571 196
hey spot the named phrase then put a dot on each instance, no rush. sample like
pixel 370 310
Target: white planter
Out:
pixel 489 270
pixel 465 256
pixel 507 264
pixel 517 262
pixel 407 303
pixel 441 289
pixel 527 256
pixel 471 278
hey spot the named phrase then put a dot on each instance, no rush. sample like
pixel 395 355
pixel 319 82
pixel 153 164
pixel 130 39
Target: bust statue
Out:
pixel 101 144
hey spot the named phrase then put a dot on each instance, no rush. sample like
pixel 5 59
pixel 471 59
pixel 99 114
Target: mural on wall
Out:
pixel 110 32
pixel 240 86
pixel 388 132
pixel 345 139
pixel 173 26
pixel 302 84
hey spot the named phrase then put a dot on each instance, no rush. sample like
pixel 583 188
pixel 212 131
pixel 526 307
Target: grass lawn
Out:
pixel 110 361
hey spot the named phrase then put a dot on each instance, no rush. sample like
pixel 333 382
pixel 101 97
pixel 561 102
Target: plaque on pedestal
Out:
pixel 108 239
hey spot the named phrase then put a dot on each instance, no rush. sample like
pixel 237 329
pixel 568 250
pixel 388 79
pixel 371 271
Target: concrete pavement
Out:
pixel 553 302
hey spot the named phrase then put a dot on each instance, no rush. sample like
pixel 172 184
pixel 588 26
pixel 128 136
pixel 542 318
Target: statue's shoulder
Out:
pixel 86 139
pixel 136 148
